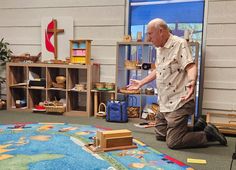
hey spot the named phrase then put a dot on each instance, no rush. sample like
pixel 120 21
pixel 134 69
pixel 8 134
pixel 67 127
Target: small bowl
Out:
pixel 60 79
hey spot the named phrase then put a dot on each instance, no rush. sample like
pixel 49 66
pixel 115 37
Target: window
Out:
pixel 180 15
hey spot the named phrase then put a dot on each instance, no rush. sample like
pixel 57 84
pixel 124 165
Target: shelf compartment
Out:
pixel 35 97
pixel 77 76
pixel 78 59
pixel 53 72
pixel 17 75
pixel 37 77
pixel 56 95
pixel 17 94
pixel 77 101
pixel 79 52
pixel 37 72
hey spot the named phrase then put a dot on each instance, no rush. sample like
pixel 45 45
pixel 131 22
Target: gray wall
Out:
pixel 103 21
pixel 220 57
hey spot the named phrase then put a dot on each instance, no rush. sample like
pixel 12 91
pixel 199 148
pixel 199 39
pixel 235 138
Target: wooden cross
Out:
pixel 55 31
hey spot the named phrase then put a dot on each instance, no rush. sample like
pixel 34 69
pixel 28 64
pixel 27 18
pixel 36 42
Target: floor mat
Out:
pixel 44 146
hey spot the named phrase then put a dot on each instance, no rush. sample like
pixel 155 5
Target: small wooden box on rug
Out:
pixel 112 140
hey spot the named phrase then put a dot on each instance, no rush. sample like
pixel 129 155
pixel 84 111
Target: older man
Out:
pixel 175 75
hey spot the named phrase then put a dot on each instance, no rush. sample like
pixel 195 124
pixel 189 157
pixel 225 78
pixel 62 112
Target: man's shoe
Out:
pixel 213 134
pixel 200 125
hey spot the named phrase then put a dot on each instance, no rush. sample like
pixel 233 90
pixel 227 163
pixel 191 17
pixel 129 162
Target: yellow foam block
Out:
pixel 196 161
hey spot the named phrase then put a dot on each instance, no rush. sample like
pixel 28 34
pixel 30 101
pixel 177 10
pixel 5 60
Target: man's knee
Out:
pixel 172 143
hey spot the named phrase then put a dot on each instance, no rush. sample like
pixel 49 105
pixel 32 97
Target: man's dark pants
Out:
pixel 173 127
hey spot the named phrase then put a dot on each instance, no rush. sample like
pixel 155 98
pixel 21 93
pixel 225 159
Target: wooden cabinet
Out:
pixel 80 51
pixel 78 102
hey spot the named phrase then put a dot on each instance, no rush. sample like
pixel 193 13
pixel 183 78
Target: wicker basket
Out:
pixel 110 86
pixel 101 112
pixel 55 107
pixel 125 91
pixel 155 107
pixel 131 65
pixel 25 57
pixel 133 111
pixel 99 85
pixel 80 87
pixel 149 91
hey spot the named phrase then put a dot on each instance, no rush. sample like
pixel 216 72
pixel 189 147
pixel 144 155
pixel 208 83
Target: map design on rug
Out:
pixel 44 146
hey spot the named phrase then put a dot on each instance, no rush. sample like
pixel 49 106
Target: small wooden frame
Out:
pixel 112 140
pixel 226 122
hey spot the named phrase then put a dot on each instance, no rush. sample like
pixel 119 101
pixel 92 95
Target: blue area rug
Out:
pixel 45 146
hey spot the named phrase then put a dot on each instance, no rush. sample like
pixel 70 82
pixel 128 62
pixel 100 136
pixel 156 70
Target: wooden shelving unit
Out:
pixel 78 103
pixel 140 52
pixel 80 51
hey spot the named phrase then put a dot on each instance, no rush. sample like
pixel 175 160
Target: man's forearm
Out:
pixel 149 78
pixel 192 72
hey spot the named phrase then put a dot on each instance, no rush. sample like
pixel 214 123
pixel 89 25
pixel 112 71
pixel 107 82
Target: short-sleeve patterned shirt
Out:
pixel 171 76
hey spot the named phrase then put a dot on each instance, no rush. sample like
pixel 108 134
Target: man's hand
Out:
pixel 190 87
pixel 134 84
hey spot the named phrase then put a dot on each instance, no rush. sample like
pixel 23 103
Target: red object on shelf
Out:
pixel 39 107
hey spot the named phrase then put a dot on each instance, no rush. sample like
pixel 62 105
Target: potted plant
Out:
pixel 5 52
pixel 5 56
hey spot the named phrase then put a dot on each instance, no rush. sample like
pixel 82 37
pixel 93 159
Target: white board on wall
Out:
pixel 63 45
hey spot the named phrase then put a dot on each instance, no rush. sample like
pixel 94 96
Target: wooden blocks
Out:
pixel 112 140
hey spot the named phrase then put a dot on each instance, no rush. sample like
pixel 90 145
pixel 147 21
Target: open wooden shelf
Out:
pixel 78 103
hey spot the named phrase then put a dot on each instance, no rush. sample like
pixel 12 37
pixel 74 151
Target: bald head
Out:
pixel 158 32
pixel 158 23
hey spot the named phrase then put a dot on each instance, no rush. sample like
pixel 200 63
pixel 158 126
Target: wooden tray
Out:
pixel 224 121
pixel 124 90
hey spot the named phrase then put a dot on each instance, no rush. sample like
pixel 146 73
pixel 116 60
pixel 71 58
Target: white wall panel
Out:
pixel 219 99
pixel 205 111
pixel 20 49
pixel 221 34
pixel 220 56
pixel 222 12
pixel 57 3
pixel 32 35
pixel 21 35
pixel 104 15
pixel 108 73
pixel 223 78
pixel 100 35
pixel 104 54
